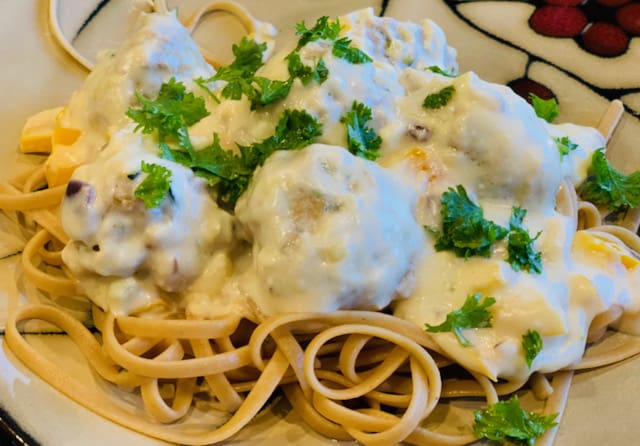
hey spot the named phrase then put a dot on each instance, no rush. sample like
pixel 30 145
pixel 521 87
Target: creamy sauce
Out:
pixel 320 229
pixel 155 51
pixel 125 255
pixel 329 231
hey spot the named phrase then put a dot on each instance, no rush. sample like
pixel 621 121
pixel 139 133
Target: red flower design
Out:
pixel 558 21
pixel 601 27
pixel 605 39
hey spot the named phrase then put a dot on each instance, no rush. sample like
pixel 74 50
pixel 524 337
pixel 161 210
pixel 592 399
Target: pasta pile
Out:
pixel 351 374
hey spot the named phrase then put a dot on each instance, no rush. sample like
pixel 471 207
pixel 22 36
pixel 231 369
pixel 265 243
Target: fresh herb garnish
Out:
pixel 464 228
pixel 521 255
pixel 362 140
pixel 546 109
pixel 295 129
pixel 437 69
pixel 241 79
pixel 171 113
pixel 472 314
pixel 174 110
pixel 607 186
pixel 202 83
pixel 531 345
pixel 342 48
pixel 239 73
pixel 266 91
pixel 565 146
pixel 319 72
pixel 153 189
pixel 440 98
pixel 508 421
pixel 231 172
pixel 324 29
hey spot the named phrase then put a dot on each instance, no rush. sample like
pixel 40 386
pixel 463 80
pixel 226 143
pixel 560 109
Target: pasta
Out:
pixel 347 354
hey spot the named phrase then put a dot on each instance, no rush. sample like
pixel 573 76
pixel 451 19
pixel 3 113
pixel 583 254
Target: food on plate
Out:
pixel 346 221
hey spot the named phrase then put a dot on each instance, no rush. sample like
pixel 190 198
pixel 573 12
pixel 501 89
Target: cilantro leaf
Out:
pixel 565 146
pixel 362 141
pixel 521 254
pixel 153 189
pixel 170 113
pixel 607 186
pixel 546 109
pixel 472 314
pixel 342 48
pixel 507 421
pixel 531 345
pixel 324 29
pixel 439 99
pixel 437 69
pixel 464 228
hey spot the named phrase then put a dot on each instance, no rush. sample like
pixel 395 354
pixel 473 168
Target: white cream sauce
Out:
pixel 329 231
pixel 321 230
pixel 156 50
pixel 124 254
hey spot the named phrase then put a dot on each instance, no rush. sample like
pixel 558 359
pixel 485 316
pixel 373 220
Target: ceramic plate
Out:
pixel 592 58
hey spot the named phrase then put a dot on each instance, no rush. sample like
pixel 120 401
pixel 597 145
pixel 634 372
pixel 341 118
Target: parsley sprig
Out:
pixel 443 72
pixel 241 78
pixel 325 29
pixel 342 48
pixel 531 346
pixel 466 232
pixel 565 146
pixel 546 109
pixel 155 186
pixel 174 110
pixel 362 140
pixel 171 113
pixel 521 255
pixel 508 421
pixel 295 130
pixel 231 172
pixel 318 73
pixel 607 186
pixel 222 168
pixel 472 314
pixel 440 98
pixel 464 228
pixel 240 74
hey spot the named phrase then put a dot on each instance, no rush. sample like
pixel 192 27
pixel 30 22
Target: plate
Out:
pixel 505 41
